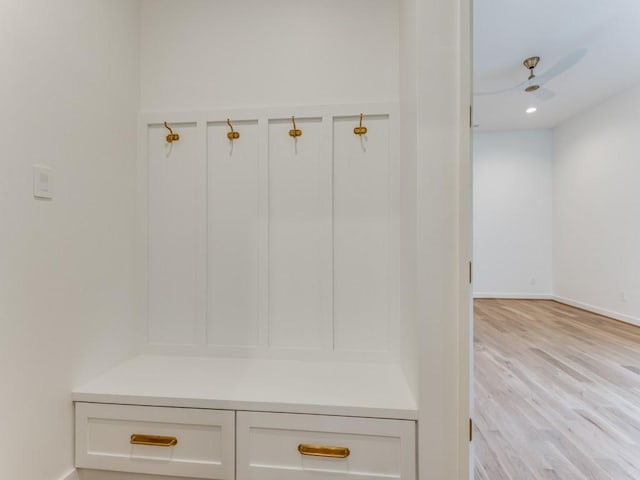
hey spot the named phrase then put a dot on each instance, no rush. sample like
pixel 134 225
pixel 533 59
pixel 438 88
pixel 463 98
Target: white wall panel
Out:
pixel 173 235
pixel 362 230
pixel 233 234
pixel 270 244
pixel 300 259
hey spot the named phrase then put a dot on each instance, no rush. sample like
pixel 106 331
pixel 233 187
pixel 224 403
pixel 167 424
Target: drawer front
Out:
pixel 183 442
pixel 275 446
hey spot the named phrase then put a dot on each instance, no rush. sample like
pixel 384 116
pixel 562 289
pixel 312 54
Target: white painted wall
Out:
pixel 442 138
pixel 596 255
pixel 408 329
pixel 512 213
pixel 69 95
pixel 252 53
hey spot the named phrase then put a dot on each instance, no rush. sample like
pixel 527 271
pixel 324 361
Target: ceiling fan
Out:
pixel 535 84
pixel 531 63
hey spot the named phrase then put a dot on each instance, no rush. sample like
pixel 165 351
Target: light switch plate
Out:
pixel 42 181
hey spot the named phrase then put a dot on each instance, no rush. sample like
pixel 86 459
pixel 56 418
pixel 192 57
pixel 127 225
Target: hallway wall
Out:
pixel 69 93
pixel 596 252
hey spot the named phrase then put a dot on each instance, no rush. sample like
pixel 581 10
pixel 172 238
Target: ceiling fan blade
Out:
pixel 561 66
pixel 544 94
pixel 504 90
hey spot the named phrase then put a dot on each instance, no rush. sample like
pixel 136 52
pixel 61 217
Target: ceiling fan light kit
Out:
pixel 531 62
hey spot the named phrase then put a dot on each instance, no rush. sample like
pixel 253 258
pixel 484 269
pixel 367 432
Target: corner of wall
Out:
pixel 72 475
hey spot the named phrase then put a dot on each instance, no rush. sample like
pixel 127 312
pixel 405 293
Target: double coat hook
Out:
pixel 360 130
pixel 295 132
pixel 171 137
pixel 232 135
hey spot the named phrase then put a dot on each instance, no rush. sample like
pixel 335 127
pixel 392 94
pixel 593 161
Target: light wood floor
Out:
pixel 557 393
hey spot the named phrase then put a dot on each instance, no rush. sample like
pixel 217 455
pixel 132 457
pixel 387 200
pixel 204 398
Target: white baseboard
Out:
pixel 600 311
pixel 72 475
pixel 519 296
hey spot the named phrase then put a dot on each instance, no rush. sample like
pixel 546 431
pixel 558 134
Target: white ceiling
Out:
pixel 602 37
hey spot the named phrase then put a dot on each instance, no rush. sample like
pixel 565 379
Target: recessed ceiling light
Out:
pixel 531 109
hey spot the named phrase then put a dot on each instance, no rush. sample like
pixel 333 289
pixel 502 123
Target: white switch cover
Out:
pixel 42 181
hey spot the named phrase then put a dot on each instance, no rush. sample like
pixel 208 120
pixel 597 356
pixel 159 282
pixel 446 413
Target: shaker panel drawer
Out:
pixel 182 442
pixel 276 446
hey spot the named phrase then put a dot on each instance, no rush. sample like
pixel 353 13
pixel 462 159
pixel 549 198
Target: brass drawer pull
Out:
pixel 153 440
pixel 323 451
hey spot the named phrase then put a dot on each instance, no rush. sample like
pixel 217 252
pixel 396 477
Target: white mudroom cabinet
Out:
pixel 272 281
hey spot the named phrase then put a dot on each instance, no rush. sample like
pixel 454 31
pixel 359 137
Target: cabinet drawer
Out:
pixel 269 447
pixel 183 442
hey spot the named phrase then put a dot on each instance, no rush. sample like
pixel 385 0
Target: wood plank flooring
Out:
pixel 557 393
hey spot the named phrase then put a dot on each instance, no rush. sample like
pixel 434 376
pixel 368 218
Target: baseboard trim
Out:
pixel 515 296
pixel 72 475
pixel 600 311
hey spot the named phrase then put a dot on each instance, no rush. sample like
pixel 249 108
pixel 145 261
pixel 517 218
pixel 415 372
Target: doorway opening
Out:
pixel 556 228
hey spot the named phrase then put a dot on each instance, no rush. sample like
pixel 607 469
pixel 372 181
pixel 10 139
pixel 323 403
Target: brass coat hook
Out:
pixel 360 130
pixel 295 132
pixel 172 137
pixel 232 135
